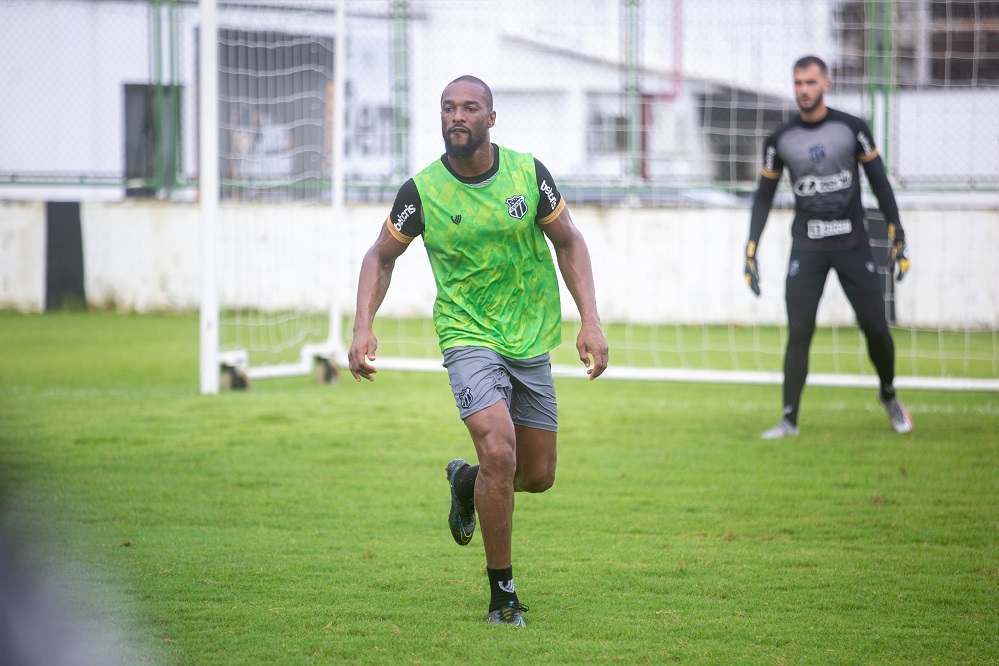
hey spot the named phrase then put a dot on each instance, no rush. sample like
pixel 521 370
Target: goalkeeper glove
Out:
pixel 899 252
pixel 752 270
pixel 900 259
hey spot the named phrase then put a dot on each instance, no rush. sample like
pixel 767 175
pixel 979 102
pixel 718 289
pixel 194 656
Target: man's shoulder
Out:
pixel 835 115
pixel 437 171
pixel 433 166
pixel 509 151
pixel 782 128
pixel 511 154
pixel 409 188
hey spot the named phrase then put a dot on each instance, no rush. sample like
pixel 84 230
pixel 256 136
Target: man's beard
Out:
pixel 466 150
pixel 815 104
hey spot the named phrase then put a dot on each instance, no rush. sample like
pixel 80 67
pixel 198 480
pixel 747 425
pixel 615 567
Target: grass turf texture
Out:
pixel 297 523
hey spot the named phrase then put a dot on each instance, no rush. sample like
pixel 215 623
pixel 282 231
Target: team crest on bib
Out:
pixel 517 205
pixel 817 153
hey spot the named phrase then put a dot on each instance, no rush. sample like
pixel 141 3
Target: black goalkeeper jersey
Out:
pixel 822 160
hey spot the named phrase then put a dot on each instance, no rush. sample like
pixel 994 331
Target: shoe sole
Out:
pixel 516 621
pixel 778 432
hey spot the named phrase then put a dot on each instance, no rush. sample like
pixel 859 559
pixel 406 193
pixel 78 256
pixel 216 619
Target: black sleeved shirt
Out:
pixel 822 160
pixel 407 211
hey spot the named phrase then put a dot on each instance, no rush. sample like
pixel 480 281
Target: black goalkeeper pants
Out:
pixel 806 279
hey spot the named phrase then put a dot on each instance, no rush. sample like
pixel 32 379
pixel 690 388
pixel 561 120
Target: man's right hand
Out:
pixel 362 350
pixel 752 269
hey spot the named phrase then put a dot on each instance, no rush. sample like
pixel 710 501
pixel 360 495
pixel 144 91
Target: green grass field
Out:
pixel 305 524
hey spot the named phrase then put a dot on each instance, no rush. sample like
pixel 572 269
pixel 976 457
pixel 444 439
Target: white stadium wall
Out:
pixel 663 266
pixel 22 255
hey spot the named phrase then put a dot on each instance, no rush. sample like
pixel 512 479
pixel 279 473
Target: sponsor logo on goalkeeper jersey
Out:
pixel 825 228
pixel 517 206
pixel 865 143
pixel 809 186
pixel 403 216
pixel 771 156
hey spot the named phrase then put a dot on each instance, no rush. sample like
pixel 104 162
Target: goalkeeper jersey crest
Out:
pixel 496 282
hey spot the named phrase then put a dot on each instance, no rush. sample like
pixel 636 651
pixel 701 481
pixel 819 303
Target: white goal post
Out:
pixel 209 198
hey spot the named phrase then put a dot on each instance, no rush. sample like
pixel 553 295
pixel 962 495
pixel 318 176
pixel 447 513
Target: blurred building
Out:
pixel 629 98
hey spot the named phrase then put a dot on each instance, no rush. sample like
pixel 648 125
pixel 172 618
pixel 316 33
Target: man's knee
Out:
pixel 800 333
pixel 495 440
pixel 873 323
pixel 496 457
pixel 535 481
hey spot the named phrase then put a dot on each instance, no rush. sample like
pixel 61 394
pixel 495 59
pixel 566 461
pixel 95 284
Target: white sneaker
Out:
pixel 783 429
pixel 899 416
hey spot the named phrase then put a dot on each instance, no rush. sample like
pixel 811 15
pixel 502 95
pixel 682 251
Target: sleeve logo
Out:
pixel 770 158
pixel 549 193
pixel 865 143
pixel 403 216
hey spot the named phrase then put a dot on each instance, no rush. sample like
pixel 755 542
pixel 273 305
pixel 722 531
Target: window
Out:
pixel 935 42
pixel 152 144
pixel 964 42
pixel 606 125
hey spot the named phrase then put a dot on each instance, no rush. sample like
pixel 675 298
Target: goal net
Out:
pixel 277 253
pixel 650 116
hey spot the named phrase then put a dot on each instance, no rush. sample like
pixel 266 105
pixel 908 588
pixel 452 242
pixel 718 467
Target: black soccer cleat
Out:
pixel 510 614
pixel 461 519
pixel 898 415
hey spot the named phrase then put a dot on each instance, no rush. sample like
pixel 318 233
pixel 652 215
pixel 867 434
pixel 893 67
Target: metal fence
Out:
pixel 659 101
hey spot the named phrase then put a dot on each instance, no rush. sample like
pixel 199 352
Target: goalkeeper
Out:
pixel 822 149
pixel 484 213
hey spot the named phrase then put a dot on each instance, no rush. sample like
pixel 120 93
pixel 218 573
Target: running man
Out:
pixel 822 149
pixel 484 213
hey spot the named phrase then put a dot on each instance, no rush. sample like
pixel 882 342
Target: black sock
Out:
pixel 887 393
pixel 791 415
pixel 464 482
pixel 501 589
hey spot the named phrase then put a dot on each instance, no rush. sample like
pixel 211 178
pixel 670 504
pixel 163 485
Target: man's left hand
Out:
pixel 900 259
pixel 899 252
pixel 751 272
pixel 591 343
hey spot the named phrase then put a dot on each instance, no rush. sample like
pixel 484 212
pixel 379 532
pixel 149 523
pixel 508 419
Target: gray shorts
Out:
pixel 480 378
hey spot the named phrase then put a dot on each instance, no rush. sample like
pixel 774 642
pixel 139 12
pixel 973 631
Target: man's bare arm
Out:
pixel 573 259
pixel 372 285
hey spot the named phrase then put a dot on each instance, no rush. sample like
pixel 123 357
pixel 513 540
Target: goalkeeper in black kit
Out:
pixel 822 150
